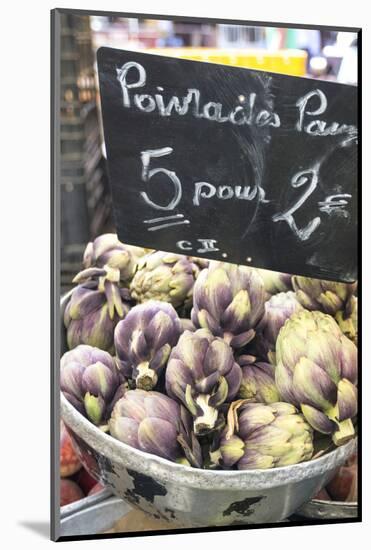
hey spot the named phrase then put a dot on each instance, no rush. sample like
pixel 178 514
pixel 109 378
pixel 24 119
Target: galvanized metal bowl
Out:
pixel 192 497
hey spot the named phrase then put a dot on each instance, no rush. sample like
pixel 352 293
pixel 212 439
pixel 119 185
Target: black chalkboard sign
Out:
pixel 240 165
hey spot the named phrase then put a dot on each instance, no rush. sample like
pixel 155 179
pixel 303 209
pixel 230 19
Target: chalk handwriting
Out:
pixel 184 245
pixel 147 174
pixel 335 204
pixel 133 75
pixel 318 127
pixel 204 190
pixel 167 221
pixel 299 179
pixel 125 86
pixel 207 246
pixel 311 107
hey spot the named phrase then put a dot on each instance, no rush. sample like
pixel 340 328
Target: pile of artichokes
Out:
pixel 209 364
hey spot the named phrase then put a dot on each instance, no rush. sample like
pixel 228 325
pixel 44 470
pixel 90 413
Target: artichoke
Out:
pixel 347 320
pixel 326 296
pixel 277 309
pixel 229 301
pixel 166 277
pixel 275 282
pixel 260 436
pixel 258 381
pixel 154 423
pixel 90 381
pixel 317 371
pixel 92 313
pixel 143 341
pixel 106 258
pixel 202 374
pixel 187 324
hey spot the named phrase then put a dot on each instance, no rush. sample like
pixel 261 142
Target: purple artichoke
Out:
pixel 258 383
pixel 326 296
pixel 260 436
pixel 317 372
pixel 154 423
pixel 228 300
pixel 106 258
pixel 187 325
pixel 90 381
pixel 202 374
pixel 166 277
pixel 275 282
pixel 347 319
pixel 92 313
pixel 277 309
pixel 143 341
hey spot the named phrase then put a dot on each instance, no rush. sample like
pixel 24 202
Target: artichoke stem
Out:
pixel 101 282
pixel 146 378
pixel 344 432
pixel 207 421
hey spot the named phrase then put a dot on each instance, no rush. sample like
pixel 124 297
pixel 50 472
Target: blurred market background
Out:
pixel 85 194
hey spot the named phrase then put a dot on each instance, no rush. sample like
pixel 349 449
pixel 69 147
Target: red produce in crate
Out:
pixel 343 487
pixel 70 492
pixel 69 461
pixel 85 480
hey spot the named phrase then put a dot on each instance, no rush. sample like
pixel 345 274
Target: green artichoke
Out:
pixel 317 372
pixel 260 436
pixel 347 320
pixel 202 374
pixel 258 380
pixel 228 300
pixel 144 339
pixel 166 277
pixel 326 296
pixel 93 312
pixel 91 382
pixel 154 423
pixel 106 258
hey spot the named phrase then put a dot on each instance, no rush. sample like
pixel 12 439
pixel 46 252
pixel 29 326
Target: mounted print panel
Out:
pixel 205 342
